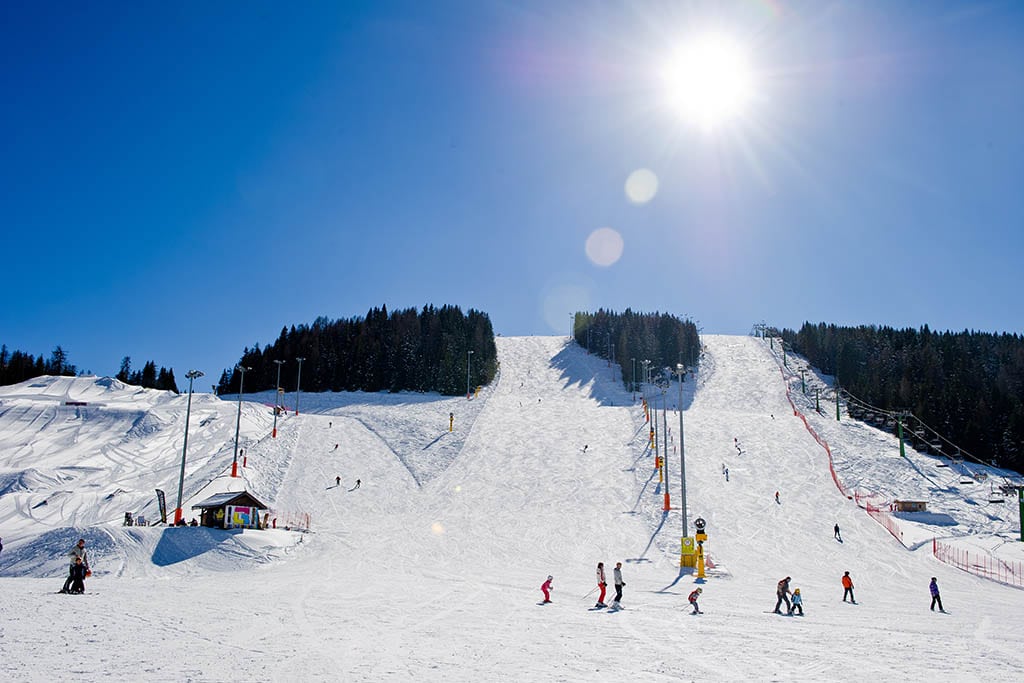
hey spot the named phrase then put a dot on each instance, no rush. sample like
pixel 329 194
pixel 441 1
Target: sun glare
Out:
pixel 709 80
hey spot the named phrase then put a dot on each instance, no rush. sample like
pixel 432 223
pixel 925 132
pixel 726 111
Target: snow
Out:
pixel 431 569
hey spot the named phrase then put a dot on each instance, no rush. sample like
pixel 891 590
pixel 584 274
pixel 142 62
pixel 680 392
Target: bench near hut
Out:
pixel 230 510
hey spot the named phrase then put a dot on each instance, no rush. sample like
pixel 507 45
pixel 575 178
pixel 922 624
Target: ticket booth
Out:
pixel 230 510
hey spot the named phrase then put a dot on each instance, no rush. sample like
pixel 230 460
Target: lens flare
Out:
pixel 604 247
pixel 641 186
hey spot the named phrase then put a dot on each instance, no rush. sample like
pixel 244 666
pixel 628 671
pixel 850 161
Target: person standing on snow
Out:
pixel 78 574
pixel 782 593
pixel 798 603
pixel 693 600
pixel 835 533
pixel 601 584
pixel 546 588
pixel 619 583
pixel 933 588
pixel 848 587
pixel 777 498
pixel 76 553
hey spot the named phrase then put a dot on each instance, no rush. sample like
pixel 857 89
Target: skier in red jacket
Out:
pixel 546 589
pixel 693 600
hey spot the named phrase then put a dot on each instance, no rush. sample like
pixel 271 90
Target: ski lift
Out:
pixel 994 497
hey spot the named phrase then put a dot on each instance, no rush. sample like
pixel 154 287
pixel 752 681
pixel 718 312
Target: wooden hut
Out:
pixel 910 506
pixel 230 510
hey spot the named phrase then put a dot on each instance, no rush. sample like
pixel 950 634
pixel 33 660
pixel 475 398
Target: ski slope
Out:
pixel 431 568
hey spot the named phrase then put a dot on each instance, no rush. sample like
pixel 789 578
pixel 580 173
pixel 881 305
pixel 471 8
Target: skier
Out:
pixel 777 498
pixel 77 552
pixel 358 484
pixel 77 578
pixel 798 603
pixel 335 446
pixel 836 534
pixel 585 447
pixel 619 583
pixel 933 588
pixel 782 593
pixel 601 584
pixel 337 481
pixel 727 474
pixel 1 545
pixel 693 600
pixel 546 588
pixel 848 587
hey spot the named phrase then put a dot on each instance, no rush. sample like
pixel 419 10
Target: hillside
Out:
pixel 431 567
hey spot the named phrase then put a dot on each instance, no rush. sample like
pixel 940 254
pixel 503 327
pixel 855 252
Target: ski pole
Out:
pixel 590 593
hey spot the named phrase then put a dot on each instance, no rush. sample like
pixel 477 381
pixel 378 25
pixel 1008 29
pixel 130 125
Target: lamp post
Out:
pixel 277 398
pixel 192 375
pixel 664 450
pixel 469 354
pixel 681 371
pixel 238 420
pixel 298 385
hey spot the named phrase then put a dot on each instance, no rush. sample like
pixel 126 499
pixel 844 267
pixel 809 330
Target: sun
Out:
pixel 709 80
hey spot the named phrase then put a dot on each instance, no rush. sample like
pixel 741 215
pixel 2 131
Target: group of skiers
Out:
pixel 602 585
pixel 783 594
pixel 793 600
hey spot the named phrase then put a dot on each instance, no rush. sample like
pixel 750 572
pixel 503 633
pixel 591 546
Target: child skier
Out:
pixel 78 577
pixel 546 588
pixel 798 603
pixel 693 600
pixel 601 584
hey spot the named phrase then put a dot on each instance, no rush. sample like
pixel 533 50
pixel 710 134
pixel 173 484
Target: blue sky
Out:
pixel 181 180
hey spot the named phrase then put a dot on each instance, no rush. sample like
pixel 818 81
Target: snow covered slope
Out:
pixel 431 568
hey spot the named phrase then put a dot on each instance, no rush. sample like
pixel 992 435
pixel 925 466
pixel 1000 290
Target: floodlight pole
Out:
pixel 298 385
pixel 664 450
pixel 468 356
pixel 192 375
pixel 238 420
pixel 681 371
pixel 277 398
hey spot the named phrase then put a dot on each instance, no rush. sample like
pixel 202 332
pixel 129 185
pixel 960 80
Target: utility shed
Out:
pixel 911 506
pixel 230 510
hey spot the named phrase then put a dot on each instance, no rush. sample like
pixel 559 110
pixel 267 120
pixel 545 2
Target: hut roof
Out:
pixel 230 498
